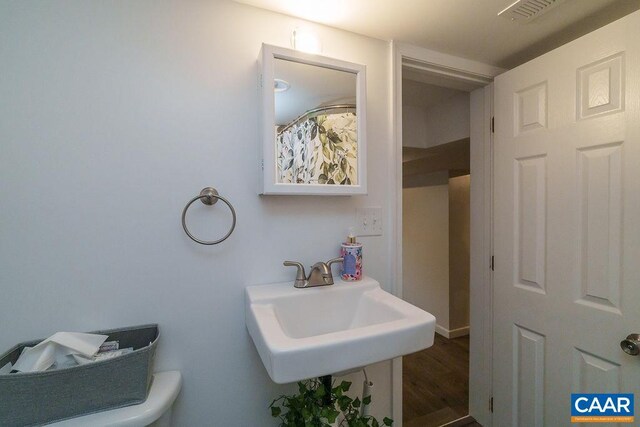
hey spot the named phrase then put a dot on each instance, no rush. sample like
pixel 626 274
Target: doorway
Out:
pixel 474 79
pixel 435 235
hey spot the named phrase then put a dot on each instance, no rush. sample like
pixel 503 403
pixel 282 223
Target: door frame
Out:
pixel 468 71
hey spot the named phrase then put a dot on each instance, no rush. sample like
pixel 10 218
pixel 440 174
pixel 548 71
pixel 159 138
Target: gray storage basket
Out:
pixel 37 398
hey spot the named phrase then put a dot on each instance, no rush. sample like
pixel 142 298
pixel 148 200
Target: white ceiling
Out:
pixel 467 28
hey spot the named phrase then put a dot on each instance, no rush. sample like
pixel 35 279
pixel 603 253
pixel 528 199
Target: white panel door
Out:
pixel 567 226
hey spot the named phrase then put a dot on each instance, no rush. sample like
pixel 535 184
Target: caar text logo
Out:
pixel 602 408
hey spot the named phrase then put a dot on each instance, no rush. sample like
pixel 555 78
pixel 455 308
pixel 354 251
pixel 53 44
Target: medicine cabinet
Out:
pixel 313 124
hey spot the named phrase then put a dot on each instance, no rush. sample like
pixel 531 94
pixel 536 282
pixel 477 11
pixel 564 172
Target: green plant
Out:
pixel 310 407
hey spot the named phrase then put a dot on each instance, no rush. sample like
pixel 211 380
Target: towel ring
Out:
pixel 209 196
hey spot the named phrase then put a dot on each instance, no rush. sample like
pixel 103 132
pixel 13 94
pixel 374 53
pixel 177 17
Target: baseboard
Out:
pixel 460 422
pixel 452 333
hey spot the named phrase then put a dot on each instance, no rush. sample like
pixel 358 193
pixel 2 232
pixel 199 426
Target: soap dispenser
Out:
pixel 351 252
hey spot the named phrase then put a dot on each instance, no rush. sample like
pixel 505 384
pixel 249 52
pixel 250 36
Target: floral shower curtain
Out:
pixel 319 150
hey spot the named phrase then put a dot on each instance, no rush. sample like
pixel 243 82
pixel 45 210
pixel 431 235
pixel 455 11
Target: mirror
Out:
pixel 313 124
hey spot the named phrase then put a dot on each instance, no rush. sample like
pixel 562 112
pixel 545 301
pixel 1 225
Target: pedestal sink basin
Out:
pixel 305 333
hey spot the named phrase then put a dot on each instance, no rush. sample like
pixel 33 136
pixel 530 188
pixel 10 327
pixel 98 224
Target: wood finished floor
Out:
pixel 436 383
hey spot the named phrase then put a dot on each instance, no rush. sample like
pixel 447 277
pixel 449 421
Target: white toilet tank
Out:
pixel 155 411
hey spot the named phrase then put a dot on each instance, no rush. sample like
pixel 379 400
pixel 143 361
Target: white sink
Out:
pixel 305 333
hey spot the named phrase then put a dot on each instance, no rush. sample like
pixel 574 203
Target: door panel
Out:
pixel 566 228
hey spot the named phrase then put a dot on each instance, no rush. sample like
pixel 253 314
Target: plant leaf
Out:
pixel 308 408
pixel 327 153
pixel 333 137
pixel 344 402
pixel 332 414
pixel 302 388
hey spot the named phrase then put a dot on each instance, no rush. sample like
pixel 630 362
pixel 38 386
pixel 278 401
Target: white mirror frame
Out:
pixel 269 185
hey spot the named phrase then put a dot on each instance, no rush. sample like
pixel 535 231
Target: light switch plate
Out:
pixel 369 221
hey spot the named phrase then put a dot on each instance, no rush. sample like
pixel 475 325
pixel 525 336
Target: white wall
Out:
pixel 449 121
pixel 114 115
pixel 425 248
pixel 414 126
pixel 445 120
pixel 459 223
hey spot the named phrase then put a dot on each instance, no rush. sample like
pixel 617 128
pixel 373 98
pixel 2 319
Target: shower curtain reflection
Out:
pixel 319 147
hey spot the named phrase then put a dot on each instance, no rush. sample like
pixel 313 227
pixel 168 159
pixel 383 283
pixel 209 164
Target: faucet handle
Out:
pixel 301 278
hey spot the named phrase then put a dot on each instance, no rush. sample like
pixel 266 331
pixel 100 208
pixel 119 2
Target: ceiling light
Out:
pixel 280 85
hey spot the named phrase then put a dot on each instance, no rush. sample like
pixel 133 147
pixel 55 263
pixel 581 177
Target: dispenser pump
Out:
pixel 351 238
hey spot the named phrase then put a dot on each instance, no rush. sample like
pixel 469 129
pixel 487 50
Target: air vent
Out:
pixel 527 10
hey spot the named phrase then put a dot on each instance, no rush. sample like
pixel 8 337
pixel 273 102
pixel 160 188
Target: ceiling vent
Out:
pixel 527 10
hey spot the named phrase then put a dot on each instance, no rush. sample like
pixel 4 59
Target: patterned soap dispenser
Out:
pixel 351 253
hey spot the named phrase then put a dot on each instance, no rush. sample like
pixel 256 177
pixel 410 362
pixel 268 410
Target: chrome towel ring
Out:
pixel 209 196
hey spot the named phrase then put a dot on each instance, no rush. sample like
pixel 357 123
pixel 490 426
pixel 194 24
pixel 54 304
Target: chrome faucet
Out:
pixel 320 274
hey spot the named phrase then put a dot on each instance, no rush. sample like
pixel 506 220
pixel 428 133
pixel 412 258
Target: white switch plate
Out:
pixel 369 221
